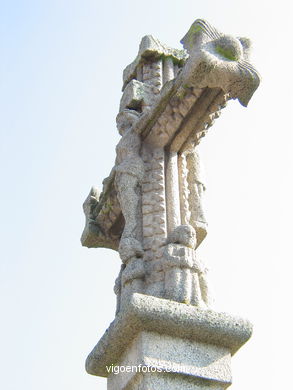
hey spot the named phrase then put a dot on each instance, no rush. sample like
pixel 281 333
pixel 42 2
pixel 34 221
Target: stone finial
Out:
pixel 221 55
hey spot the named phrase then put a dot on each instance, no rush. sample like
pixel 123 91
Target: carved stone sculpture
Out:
pixel 150 209
pixel 185 275
pixel 129 173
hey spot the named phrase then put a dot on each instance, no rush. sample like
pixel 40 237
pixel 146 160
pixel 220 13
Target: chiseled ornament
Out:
pixel 222 59
pixel 151 211
pixel 155 190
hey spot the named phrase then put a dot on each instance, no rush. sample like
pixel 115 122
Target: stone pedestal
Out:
pixel 158 344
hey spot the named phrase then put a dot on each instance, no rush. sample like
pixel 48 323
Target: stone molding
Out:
pixel 147 313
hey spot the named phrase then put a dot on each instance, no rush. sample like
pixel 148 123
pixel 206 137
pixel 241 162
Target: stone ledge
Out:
pixel 148 313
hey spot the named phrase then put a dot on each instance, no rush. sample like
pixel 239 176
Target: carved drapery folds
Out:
pixel 151 207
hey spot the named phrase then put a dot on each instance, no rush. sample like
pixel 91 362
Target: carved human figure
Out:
pixel 185 275
pixel 129 172
pixel 132 272
pixel 196 186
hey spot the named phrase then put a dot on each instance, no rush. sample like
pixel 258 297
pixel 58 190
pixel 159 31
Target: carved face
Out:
pixel 185 235
pixel 125 120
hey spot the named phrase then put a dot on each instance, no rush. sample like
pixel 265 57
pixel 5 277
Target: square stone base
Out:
pixel 153 360
pixel 159 344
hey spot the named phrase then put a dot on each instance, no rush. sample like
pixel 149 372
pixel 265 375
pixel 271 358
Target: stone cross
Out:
pixel 150 210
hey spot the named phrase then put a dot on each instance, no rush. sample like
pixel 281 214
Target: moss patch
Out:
pixel 226 53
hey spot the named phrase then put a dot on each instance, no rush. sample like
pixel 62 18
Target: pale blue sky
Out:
pixel 61 71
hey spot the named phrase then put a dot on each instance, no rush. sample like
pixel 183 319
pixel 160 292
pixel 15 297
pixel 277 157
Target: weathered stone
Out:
pixel 168 355
pixel 136 95
pixel 150 314
pixel 151 211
